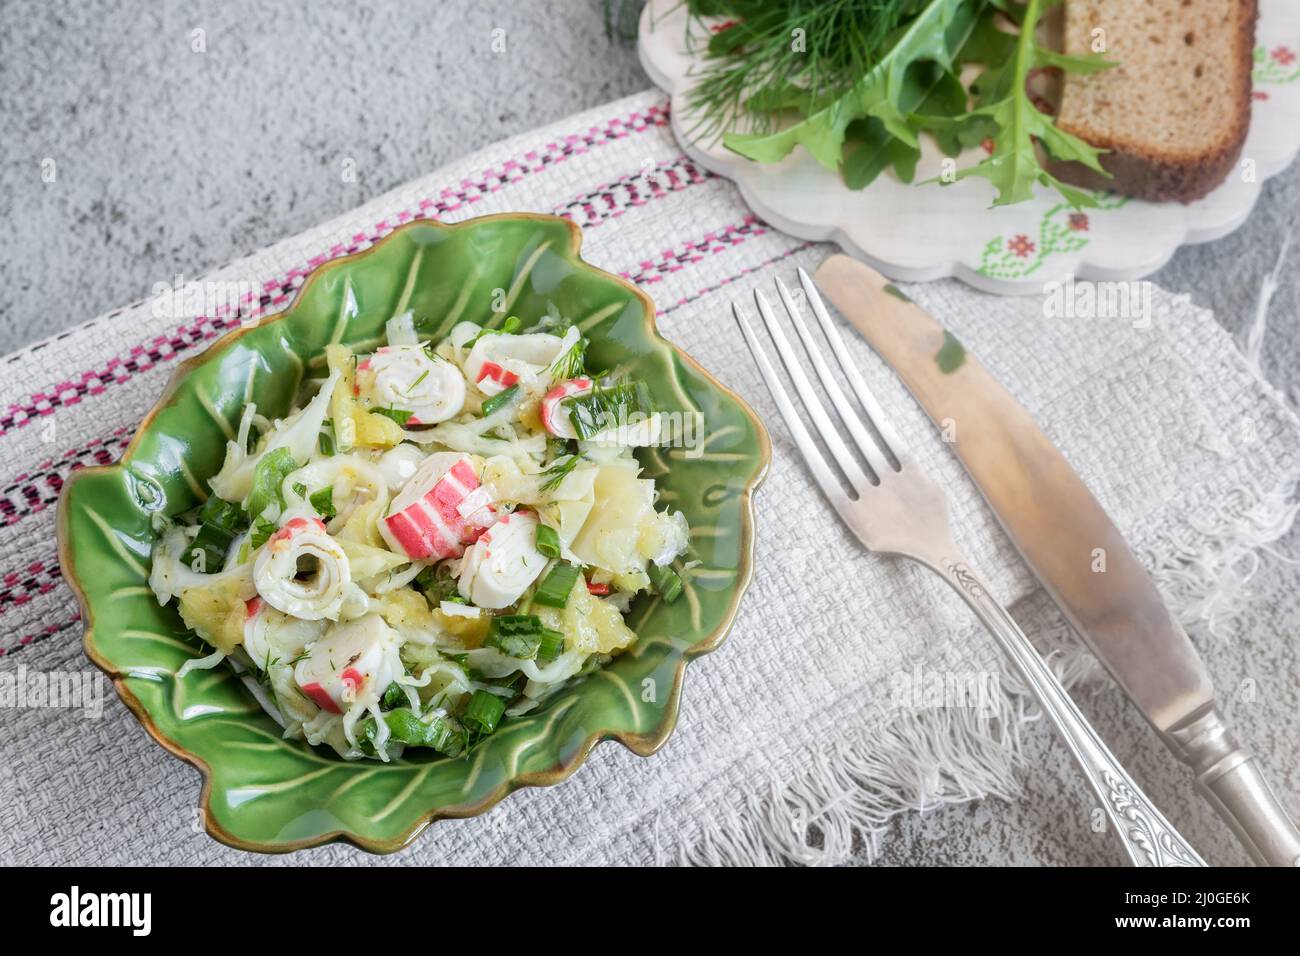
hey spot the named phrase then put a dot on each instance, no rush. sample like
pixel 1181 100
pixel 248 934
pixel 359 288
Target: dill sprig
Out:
pixel 560 469
pixel 783 54
pixel 571 362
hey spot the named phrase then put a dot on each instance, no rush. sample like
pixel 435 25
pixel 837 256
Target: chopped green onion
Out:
pixel 484 711
pixel 220 523
pixel 557 587
pixel 605 408
pixel 513 681
pixel 394 696
pixel 327 437
pixel 405 725
pixel 515 635
pixel 323 502
pixel 548 542
pixel 552 645
pixel 268 478
pixel 666 582
pixel 399 415
pixel 499 401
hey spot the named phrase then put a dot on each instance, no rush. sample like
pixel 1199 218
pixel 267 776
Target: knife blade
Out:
pixel 1072 547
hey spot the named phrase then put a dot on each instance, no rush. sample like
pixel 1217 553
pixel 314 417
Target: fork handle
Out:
pixel 1148 838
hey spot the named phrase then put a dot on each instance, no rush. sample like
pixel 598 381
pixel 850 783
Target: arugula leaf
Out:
pixel 1013 166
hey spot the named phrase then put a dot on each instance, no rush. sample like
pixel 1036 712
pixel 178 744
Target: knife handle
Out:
pixel 1230 779
pixel 1148 838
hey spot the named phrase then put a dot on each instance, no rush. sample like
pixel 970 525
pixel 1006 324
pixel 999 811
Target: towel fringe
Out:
pixel 928 758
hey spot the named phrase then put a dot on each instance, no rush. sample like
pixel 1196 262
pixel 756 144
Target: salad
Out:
pixel 438 537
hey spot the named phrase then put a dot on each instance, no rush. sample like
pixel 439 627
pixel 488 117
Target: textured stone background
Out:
pixel 174 161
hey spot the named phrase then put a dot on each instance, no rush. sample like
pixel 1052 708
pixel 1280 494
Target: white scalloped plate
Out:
pixel 917 233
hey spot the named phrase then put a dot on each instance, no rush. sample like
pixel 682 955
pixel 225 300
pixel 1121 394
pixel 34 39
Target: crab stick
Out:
pixel 353 663
pixel 407 377
pixel 302 571
pixel 439 510
pixel 499 360
pixel 502 563
pixel 555 417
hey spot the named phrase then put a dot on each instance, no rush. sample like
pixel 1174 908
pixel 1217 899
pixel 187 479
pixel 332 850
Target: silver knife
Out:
pixel 1056 524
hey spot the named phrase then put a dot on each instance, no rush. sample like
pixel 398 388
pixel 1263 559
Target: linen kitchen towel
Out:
pixel 818 710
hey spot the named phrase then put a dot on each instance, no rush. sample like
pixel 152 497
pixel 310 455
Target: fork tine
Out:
pixel 816 410
pixel 872 407
pixel 861 437
pixel 826 478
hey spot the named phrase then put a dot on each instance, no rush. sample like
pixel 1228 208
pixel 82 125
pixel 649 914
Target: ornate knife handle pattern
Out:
pixel 1148 838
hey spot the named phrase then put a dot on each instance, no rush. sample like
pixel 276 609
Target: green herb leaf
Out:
pixel 951 354
pixel 438 585
pixel 1002 97
pixel 323 502
pixel 399 415
pixel 891 72
pixel 935 35
pixel 261 531
pixel 268 480
pixel 394 696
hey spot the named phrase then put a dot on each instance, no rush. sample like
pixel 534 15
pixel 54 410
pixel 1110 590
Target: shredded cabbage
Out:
pixel 341 603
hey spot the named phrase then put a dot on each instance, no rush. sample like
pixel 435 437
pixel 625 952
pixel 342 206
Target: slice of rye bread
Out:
pixel 1175 110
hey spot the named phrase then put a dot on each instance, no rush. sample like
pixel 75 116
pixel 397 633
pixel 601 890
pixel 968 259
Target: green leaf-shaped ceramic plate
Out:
pixel 265 793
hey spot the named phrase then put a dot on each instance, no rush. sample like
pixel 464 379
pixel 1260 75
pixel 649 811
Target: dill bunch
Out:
pixel 783 54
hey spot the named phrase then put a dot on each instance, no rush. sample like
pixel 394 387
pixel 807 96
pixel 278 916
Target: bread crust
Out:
pixel 1158 177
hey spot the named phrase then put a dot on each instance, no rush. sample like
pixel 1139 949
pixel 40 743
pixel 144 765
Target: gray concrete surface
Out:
pixel 173 160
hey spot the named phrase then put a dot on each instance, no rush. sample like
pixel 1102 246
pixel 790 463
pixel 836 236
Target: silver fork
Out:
pixel 896 509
